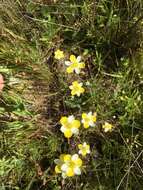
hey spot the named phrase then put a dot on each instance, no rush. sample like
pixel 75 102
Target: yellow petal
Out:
pixel 62 157
pixel 68 133
pixel 70 172
pixel 73 58
pixel 82 90
pixel 86 125
pixel 80 146
pixel 81 65
pixel 57 169
pixel 87 147
pixel 75 83
pixel 76 124
pixel 94 117
pixel 67 157
pixel 78 162
pixel 84 115
pixel 73 92
pixel 64 120
pixel 70 69
pixel 84 152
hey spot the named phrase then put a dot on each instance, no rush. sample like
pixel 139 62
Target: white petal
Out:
pixel 78 94
pixel 70 118
pixel 77 171
pixel 75 131
pixel 79 58
pixel 71 87
pixel 77 70
pixel 62 129
pixel 90 113
pixel 105 130
pixel 68 63
pixel 82 121
pixel 81 84
pixel 92 124
pixel 80 152
pixel 57 161
pixel 84 144
pixel 88 151
pixel 75 157
pixel 64 167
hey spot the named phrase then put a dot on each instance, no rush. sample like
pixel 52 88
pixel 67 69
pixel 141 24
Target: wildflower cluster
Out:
pixel 74 65
pixel 70 126
pixel 69 165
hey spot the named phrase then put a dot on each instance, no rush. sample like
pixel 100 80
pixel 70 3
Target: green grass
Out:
pixel 108 35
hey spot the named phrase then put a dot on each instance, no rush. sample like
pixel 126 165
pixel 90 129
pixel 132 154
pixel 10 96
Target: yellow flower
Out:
pixel 84 149
pixel 89 119
pixel 68 165
pixel 69 126
pixel 107 127
pixel 59 163
pixel 74 64
pixel 76 88
pixel 59 54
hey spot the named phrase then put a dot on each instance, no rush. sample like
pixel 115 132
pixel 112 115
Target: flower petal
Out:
pixel 68 63
pixel 77 70
pixel 64 167
pixel 67 158
pixel 63 120
pixel 77 171
pixel 70 172
pixel 74 157
pixel 75 131
pixel 78 58
pixel 81 65
pixel 70 118
pixel 63 129
pixel 57 169
pixel 68 133
pixel 76 124
pixel 73 58
pixel 70 69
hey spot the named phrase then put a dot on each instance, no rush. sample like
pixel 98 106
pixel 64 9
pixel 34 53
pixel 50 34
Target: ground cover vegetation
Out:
pixel 71 88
